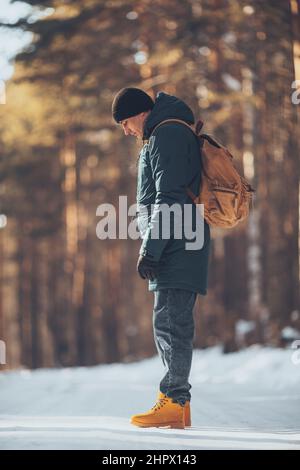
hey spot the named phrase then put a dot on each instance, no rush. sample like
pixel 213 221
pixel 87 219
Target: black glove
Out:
pixel 147 267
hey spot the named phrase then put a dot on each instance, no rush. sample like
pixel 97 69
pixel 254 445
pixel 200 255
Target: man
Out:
pixel 169 162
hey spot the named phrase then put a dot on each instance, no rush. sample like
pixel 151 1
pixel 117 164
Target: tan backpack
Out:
pixel 226 194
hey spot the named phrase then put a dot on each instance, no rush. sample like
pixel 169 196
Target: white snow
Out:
pixel 290 333
pixel 244 400
pixel 242 327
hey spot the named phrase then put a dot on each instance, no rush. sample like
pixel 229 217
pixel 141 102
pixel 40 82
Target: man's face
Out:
pixel 135 124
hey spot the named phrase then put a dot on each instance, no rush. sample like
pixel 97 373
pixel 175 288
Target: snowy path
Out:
pixel 247 400
pixel 115 433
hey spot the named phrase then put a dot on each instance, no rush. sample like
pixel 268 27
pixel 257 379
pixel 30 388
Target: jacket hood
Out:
pixel 167 107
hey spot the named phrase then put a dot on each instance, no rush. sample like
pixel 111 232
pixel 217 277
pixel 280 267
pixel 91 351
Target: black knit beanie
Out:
pixel 129 102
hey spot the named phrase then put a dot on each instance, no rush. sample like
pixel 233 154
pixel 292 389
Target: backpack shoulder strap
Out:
pixel 188 190
pixel 173 120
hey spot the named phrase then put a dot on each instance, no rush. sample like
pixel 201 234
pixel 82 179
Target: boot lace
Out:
pixel 159 404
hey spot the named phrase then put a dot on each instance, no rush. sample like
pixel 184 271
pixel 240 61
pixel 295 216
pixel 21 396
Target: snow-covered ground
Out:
pixel 245 400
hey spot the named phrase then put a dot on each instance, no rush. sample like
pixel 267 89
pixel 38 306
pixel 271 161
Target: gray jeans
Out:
pixel 173 327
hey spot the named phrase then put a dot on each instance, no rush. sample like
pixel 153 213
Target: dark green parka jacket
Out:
pixel 169 162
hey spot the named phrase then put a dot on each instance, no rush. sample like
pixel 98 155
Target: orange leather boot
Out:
pixel 187 410
pixel 164 413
